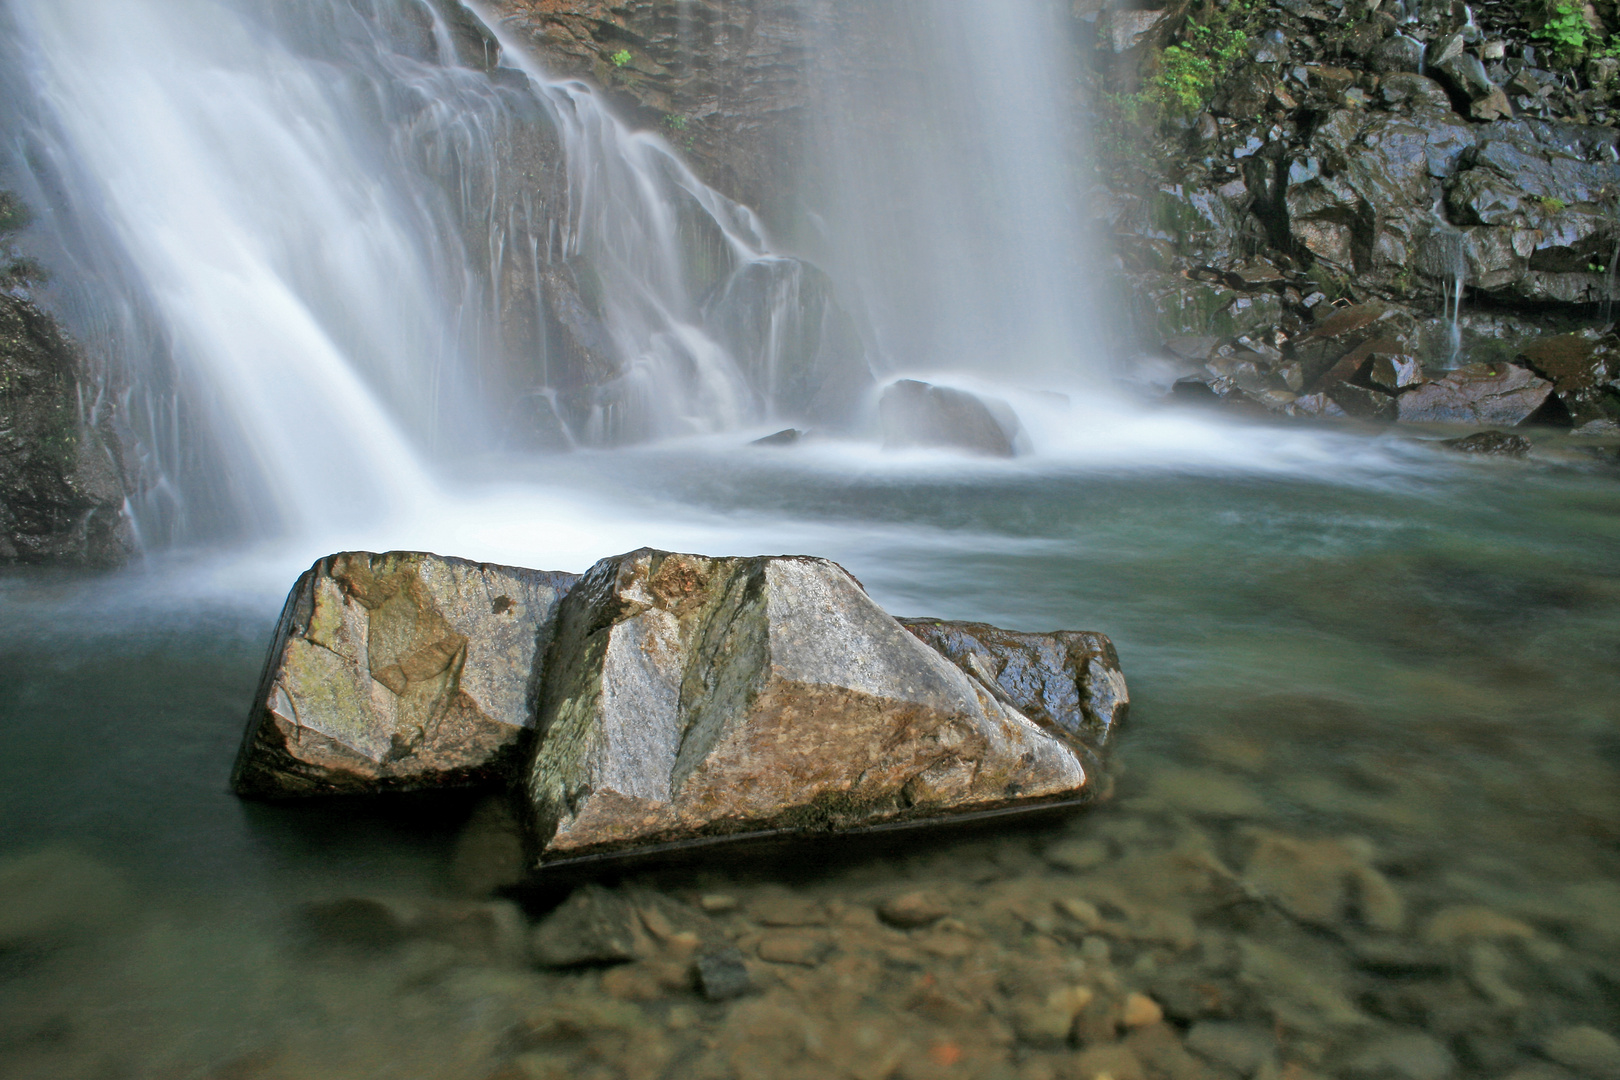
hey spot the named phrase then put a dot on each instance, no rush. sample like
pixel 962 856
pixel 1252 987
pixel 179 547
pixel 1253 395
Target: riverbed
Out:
pixel 1365 818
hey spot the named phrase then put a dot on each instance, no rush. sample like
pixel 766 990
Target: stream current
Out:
pixel 1365 661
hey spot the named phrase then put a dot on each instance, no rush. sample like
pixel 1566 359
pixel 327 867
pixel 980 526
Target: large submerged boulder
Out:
pixel 689 697
pixel 396 672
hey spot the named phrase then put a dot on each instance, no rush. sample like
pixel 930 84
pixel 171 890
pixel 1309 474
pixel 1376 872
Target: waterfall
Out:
pixel 953 186
pixel 331 251
pixel 330 255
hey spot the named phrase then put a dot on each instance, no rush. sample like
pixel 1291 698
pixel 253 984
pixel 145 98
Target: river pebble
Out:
pixel 913 909
pixel 1585 1048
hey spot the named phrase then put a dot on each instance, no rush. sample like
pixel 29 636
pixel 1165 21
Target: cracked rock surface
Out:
pixel 398 671
pixel 691 697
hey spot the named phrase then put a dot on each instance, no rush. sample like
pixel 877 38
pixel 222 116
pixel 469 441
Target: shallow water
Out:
pixel 1368 793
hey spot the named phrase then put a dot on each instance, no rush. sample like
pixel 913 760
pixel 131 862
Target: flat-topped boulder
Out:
pixel 397 672
pixel 689 697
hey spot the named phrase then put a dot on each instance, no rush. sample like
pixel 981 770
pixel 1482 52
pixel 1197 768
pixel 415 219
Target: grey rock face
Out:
pixel 1477 394
pixel 1068 681
pixel 918 414
pixel 593 926
pixel 691 697
pixel 398 671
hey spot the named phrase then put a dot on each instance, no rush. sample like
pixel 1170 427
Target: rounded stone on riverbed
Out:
pixel 1140 1011
pixel 911 910
pixel 593 926
pixel 1206 792
pixel 1077 855
pixel 794 947
pixel 1410 1055
pixel 1471 922
pixel 1588 1049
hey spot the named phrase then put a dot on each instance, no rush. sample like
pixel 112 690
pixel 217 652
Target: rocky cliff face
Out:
pixel 1386 157
pixel 725 80
pixel 61 466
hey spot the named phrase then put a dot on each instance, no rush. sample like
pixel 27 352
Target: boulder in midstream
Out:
pixel 690 697
pixel 919 414
pixel 395 672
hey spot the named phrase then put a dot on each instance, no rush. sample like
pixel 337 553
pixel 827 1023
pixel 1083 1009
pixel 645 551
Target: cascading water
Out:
pixel 949 186
pixel 1444 257
pixel 330 251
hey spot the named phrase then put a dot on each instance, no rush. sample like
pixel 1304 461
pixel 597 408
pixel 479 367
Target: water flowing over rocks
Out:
pixel 62 474
pixel 398 671
pixel 691 697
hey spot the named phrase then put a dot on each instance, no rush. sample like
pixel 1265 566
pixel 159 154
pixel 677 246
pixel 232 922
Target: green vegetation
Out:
pixel 1189 72
pixel 675 121
pixel 620 58
pixel 1185 76
pixel 1551 205
pixel 1569 37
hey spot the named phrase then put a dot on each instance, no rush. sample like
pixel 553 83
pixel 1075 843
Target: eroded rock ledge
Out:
pixel 668 698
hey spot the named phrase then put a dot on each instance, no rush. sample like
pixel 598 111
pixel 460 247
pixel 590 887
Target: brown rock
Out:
pixel 1569 360
pixel 1477 394
pixel 794 947
pixel 1498 443
pixel 692 697
pixel 1140 1011
pixel 398 671
pixel 913 909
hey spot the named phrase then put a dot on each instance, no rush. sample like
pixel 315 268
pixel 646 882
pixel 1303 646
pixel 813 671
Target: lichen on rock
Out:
pixel 690 697
pixel 398 671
